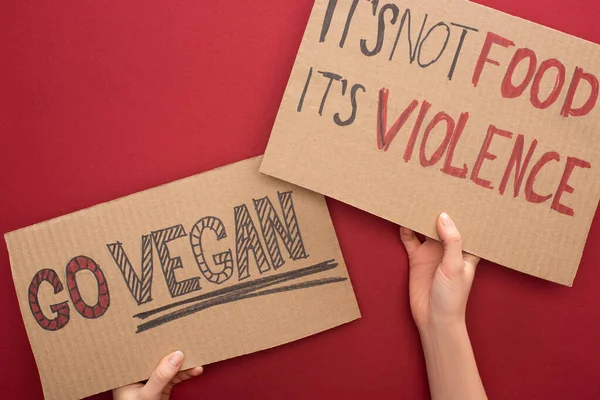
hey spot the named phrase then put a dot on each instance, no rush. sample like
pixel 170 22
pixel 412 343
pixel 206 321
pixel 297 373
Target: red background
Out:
pixel 103 99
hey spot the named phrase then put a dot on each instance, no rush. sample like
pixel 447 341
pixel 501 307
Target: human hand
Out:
pixel 161 381
pixel 441 275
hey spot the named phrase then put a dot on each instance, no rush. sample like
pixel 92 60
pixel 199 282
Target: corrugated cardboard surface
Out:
pixel 90 355
pixel 309 149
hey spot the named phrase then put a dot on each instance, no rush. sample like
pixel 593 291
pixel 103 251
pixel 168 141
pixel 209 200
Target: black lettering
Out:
pixel 246 240
pixel 332 77
pixel 169 265
pixel 350 120
pixel 380 30
pixel 140 289
pixel 374 4
pixel 412 52
pixel 301 103
pixel 348 22
pixel 327 21
pixel 271 226
pixel 224 259
pixel 425 40
pixel 463 36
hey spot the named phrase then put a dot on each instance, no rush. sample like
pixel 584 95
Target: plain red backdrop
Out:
pixel 103 99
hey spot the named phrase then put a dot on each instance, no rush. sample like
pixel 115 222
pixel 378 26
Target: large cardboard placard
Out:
pixel 407 109
pixel 217 265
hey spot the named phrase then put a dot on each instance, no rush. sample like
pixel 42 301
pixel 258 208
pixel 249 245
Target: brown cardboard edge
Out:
pixel 533 23
pixel 568 282
pixel 22 321
pixel 187 366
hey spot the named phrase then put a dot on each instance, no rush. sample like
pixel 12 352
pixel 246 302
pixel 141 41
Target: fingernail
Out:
pixel 176 358
pixel 446 220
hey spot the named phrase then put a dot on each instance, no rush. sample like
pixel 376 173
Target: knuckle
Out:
pixel 453 237
pixel 406 236
pixel 162 375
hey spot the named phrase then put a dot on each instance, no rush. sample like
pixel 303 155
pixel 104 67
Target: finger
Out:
pixel 453 257
pixel 410 240
pixel 162 375
pixel 471 259
pixel 187 374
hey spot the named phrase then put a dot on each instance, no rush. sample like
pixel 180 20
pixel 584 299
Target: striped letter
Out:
pixel 141 289
pixel 246 240
pixel 272 227
pixel 61 309
pixel 224 259
pixel 169 265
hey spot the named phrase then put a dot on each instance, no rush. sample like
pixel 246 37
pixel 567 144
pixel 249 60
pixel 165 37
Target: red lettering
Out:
pixel 530 195
pixel 484 154
pixel 490 40
pixel 558 84
pixel 385 139
pixel 563 187
pixel 413 136
pixel 515 160
pixel 85 263
pixel 509 90
pixel 568 109
pixel 448 168
pixel 61 309
pixel 437 156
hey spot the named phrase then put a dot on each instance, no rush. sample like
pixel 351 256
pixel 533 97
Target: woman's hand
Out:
pixel 440 275
pixel 440 280
pixel 161 381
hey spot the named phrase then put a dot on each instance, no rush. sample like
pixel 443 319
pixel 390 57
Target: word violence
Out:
pixel 517 166
pixel 216 270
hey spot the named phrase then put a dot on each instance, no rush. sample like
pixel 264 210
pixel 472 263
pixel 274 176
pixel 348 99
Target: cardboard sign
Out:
pixel 217 265
pixel 407 109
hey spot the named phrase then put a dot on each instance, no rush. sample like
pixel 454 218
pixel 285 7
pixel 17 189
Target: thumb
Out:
pixel 162 375
pixel 453 262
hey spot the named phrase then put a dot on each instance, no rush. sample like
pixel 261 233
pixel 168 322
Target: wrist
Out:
pixel 451 328
pixel 451 366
